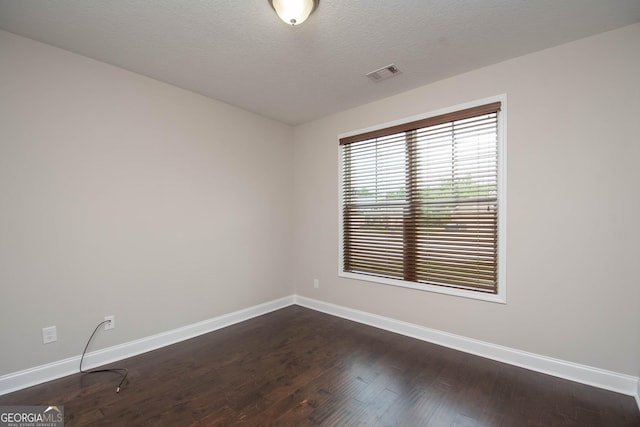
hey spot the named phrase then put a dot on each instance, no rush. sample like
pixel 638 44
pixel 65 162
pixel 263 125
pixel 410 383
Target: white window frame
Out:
pixel 501 295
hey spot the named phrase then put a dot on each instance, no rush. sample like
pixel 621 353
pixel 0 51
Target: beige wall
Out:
pixel 573 205
pixel 123 195
pixel 120 195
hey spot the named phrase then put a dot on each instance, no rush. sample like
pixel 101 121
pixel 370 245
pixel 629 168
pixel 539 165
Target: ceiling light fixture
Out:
pixel 294 12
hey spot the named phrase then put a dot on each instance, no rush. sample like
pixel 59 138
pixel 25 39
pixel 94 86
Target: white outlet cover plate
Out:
pixel 49 335
pixel 111 325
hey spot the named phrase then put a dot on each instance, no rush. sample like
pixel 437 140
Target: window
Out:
pixel 422 203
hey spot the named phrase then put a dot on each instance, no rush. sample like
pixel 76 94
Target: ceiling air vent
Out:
pixel 383 73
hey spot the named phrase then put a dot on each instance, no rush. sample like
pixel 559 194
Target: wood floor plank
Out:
pixel 298 367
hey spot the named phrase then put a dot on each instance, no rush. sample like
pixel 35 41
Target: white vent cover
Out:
pixel 383 73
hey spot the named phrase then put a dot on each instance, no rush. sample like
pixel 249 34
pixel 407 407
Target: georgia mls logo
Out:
pixel 31 416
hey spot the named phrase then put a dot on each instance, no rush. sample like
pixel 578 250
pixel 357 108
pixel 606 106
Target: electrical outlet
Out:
pixel 49 334
pixel 316 283
pixel 111 322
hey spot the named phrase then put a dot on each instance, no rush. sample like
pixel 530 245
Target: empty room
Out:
pixel 304 212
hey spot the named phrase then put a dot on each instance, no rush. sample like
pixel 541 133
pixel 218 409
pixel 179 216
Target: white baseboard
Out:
pixel 601 378
pixel 40 374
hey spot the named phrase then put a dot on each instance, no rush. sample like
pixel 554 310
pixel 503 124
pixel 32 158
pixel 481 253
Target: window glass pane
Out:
pixel 374 194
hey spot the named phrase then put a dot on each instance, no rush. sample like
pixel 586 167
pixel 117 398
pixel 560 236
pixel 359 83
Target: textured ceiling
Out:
pixel 238 51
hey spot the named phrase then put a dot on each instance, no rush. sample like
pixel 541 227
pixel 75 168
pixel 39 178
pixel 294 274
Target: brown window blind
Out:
pixel 420 201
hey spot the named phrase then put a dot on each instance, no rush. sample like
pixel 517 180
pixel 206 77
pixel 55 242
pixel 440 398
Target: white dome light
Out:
pixel 294 12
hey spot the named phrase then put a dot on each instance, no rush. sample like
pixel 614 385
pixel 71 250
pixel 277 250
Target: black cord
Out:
pixel 121 371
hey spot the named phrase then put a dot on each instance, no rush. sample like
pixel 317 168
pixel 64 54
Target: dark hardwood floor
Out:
pixel 298 367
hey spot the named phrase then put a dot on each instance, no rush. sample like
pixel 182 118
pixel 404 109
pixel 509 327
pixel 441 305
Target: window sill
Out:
pixel 497 298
